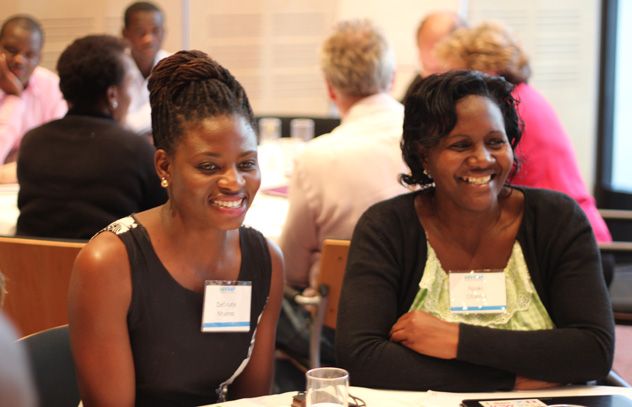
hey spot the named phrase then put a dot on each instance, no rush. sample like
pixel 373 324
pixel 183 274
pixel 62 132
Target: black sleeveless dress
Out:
pixel 175 363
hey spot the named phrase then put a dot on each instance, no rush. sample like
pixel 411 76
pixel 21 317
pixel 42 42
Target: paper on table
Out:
pixel 276 191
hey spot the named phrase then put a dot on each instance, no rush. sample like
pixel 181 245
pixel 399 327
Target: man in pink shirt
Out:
pixel 29 95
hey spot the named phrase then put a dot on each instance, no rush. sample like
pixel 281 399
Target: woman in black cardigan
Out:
pixel 410 318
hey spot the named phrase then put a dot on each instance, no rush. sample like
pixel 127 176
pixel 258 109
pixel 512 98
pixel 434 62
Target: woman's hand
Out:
pixel 426 334
pixel 524 383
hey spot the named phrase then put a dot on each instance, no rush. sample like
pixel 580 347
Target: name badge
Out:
pixel 477 291
pixel 226 306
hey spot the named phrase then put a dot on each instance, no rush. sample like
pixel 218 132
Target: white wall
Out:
pixel 64 20
pixel 272 45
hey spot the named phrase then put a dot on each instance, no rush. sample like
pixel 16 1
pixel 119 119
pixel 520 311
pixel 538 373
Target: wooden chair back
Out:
pixel 333 261
pixel 37 273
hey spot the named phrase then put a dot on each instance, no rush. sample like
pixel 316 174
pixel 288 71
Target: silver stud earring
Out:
pixel 114 104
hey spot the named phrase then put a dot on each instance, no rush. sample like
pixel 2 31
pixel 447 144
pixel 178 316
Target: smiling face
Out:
pixel 23 49
pixel 471 164
pixel 213 172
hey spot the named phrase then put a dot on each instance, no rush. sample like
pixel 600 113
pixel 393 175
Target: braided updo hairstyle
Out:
pixel 188 87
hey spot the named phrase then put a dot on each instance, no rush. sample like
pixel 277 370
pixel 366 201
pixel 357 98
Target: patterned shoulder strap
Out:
pixel 119 226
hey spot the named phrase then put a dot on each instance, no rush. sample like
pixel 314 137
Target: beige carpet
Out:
pixel 623 352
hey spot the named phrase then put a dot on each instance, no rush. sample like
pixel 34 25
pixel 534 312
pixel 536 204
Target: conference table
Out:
pixel 392 398
pixel 266 214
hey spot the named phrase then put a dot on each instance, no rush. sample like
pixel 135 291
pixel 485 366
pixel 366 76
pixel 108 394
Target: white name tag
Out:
pixel 226 306
pixel 477 292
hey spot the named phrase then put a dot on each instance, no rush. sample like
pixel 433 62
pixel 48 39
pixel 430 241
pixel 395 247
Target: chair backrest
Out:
pixel 37 274
pixel 53 367
pixel 333 261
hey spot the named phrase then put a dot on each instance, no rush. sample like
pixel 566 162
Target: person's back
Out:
pixel 80 173
pixel 337 177
pixel 29 94
pixel 547 156
pixel 341 174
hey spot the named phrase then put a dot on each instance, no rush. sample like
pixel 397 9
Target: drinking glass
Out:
pixel 327 387
pixel 269 129
pixel 302 129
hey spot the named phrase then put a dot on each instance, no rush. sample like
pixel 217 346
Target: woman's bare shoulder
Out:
pixel 104 257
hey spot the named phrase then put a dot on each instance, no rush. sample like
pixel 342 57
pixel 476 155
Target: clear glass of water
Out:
pixel 269 129
pixel 302 129
pixel 327 387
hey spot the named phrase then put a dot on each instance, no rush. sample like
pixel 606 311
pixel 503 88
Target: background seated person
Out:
pixel 340 174
pixel 332 182
pixel 138 288
pixel 403 321
pixel 29 94
pixel 546 155
pixel 144 31
pixel 82 172
pixel 433 28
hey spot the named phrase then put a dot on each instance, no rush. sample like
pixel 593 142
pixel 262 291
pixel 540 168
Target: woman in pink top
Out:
pixel 547 159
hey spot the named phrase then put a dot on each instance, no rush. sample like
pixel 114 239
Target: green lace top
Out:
pixel 524 309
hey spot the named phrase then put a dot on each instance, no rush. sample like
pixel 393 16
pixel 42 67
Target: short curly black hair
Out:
pixel 140 6
pixel 430 114
pixel 188 87
pixel 25 21
pixel 88 67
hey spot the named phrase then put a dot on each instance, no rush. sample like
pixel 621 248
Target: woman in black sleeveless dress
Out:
pixel 143 289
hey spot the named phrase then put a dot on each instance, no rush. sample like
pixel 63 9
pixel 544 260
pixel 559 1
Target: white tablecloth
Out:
pixel 8 208
pixel 391 398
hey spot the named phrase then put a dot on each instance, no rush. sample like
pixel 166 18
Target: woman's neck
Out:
pixel 187 229
pixel 466 239
pixel 459 219
pixel 444 220
pixel 92 111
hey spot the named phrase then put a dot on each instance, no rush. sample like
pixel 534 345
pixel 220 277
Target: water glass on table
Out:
pixel 327 387
pixel 302 129
pixel 269 129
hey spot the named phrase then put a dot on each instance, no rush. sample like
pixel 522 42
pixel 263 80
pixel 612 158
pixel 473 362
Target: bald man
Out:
pixel 432 29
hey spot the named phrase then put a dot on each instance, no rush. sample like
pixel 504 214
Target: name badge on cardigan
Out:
pixel 226 306
pixel 477 291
